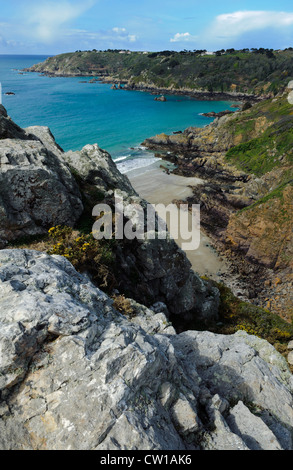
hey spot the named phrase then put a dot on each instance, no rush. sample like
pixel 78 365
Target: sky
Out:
pixel 54 26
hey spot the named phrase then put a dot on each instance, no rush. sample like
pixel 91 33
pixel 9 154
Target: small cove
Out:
pixel 80 113
pixel 157 187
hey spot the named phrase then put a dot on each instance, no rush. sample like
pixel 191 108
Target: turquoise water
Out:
pixel 83 113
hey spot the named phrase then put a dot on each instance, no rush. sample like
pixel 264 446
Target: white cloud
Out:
pixel 119 30
pixel 122 35
pixel 48 18
pixel 114 37
pixel 248 28
pixel 235 24
pixel 3 42
pixel 183 37
pixel 132 37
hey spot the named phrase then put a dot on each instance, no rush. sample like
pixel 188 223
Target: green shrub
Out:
pixel 85 253
pixel 238 315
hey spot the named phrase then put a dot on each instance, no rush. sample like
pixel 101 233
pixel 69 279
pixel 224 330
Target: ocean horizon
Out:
pixel 81 113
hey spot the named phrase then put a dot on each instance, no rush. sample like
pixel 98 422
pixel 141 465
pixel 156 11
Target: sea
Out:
pixel 80 113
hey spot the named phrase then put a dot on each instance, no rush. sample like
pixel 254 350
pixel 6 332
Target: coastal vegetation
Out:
pixel 255 71
pixel 266 133
pixel 85 253
pixel 237 315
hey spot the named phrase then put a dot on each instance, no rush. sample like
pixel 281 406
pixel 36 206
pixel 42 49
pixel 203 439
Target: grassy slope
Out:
pixel 266 136
pixel 272 145
pixel 272 149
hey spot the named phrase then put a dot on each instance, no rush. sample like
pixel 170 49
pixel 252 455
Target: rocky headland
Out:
pixel 90 358
pixel 231 75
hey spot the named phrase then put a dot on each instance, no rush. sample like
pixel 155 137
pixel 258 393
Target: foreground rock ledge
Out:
pixel 76 374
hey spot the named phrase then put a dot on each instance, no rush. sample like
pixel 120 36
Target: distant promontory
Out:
pixel 242 74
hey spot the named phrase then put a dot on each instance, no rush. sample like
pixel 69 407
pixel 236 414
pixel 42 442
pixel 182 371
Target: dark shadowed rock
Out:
pixel 37 189
pixel 10 130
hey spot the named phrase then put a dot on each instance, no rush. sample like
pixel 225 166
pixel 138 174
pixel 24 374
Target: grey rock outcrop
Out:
pixel 160 98
pixel 150 269
pixel 77 374
pixel 37 189
pixel 290 358
pixel 10 130
pixel 96 167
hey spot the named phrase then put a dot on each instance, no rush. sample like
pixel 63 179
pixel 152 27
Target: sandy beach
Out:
pixel 157 187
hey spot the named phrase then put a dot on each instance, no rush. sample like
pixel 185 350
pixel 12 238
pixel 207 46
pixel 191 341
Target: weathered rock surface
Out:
pixel 265 233
pixel 160 98
pixel 96 167
pixel 150 269
pixel 219 114
pixel 37 189
pixel 76 374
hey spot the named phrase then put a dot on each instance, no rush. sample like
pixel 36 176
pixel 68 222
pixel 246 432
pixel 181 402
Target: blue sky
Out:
pixel 55 26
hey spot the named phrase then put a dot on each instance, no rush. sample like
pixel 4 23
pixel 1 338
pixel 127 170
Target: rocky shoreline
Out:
pixel 185 149
pixel 226 192
pixel 129 85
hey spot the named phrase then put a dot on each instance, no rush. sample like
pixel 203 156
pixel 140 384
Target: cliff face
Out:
pixel 246 201
pixel 75 374
pixel 264 234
